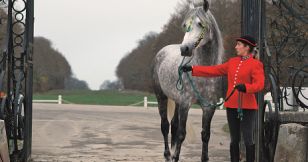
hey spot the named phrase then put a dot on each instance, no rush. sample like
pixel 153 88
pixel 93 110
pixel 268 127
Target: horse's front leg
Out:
pixel 206 131
pixel 181 132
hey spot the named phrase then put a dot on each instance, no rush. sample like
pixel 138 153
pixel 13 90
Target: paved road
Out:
pixel 82 133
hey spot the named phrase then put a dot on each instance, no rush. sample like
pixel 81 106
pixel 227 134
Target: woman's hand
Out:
pixel 241 87
pixel 186 68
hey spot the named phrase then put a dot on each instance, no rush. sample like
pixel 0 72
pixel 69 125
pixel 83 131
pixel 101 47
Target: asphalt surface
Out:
pixel 85 133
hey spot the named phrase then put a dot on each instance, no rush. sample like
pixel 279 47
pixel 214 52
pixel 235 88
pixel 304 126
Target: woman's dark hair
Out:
pixel 250 46
pixel 252 49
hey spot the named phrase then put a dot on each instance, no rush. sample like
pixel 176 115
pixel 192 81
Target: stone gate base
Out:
pixel 292 144
pixel 3 143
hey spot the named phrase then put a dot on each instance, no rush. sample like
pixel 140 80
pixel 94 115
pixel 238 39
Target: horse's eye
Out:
pixel 200 24
pixel 184 26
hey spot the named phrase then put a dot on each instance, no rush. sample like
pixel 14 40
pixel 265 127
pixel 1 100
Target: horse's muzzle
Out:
pixel 185 51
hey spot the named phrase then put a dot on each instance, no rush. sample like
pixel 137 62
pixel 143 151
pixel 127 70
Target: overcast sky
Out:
pixel 94 35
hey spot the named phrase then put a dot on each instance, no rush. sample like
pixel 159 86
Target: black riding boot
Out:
pixel 235 153
pixel 250 153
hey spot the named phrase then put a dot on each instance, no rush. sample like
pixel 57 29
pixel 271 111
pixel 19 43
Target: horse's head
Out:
pixel 197 27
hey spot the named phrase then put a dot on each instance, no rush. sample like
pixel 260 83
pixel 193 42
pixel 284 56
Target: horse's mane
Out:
pixel 212 26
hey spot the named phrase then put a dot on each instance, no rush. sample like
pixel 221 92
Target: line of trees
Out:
pixel 134 68
pixel 107 84
pixel 51 69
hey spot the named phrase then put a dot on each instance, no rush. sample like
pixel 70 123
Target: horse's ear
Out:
pixel 191 4
pixel 206 5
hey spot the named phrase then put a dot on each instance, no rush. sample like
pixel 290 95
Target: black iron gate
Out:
pixel 16 79
pixel 281 29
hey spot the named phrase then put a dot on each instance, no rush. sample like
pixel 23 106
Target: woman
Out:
pixel 245 74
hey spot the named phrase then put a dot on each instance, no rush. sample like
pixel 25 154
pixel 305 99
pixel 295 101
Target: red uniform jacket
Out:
pixel 246 70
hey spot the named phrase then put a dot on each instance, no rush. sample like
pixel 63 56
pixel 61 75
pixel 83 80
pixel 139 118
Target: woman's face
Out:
pixel 241 50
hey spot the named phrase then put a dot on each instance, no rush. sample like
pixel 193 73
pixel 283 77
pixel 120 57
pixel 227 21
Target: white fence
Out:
pixel 59 101
pixel 146 102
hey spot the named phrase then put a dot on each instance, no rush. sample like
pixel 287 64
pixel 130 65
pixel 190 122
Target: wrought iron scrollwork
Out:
pixel 270 131
pixel 16 76
pixel 270 125
pixel 287 67
pixel 300 76
pixel 288 44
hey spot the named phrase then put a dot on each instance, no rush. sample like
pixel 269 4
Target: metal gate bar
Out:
pixel 17 78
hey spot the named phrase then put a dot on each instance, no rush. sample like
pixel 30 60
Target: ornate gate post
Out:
pixel 17 77
pixel 29 78
pixel 258 137
pixel 251 24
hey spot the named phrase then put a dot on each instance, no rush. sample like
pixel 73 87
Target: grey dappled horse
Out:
pixel 165 74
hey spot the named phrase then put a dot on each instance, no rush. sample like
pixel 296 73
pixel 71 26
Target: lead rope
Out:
pixel 180 80
pixel 240 106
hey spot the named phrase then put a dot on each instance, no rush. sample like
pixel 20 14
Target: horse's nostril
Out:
pixel 184 49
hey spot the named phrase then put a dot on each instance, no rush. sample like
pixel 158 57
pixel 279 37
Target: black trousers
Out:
pixel 236 125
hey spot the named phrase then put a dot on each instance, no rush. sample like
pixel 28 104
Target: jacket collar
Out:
pixel 246 57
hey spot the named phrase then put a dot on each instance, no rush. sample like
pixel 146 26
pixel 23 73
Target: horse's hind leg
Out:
pixel 174 125
pixel 206 132
pixel 162 107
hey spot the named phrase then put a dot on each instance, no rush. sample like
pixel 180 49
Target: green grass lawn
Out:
pixel 100 97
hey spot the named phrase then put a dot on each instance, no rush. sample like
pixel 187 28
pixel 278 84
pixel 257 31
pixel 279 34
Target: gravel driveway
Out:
pixel 81 133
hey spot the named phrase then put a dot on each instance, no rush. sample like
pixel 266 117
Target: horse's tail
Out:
pixel 171 109
pixel 190 132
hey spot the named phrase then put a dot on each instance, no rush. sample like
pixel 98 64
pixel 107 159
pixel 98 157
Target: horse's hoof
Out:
pixel 168 159
pixel 167 155
pixel 204 159
pixel 175 159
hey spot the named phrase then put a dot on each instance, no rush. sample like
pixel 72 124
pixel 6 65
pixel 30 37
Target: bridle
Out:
pixel 199 38
pixel 180 80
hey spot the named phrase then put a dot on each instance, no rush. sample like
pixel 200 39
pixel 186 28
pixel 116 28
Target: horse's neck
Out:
pixel 205 56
